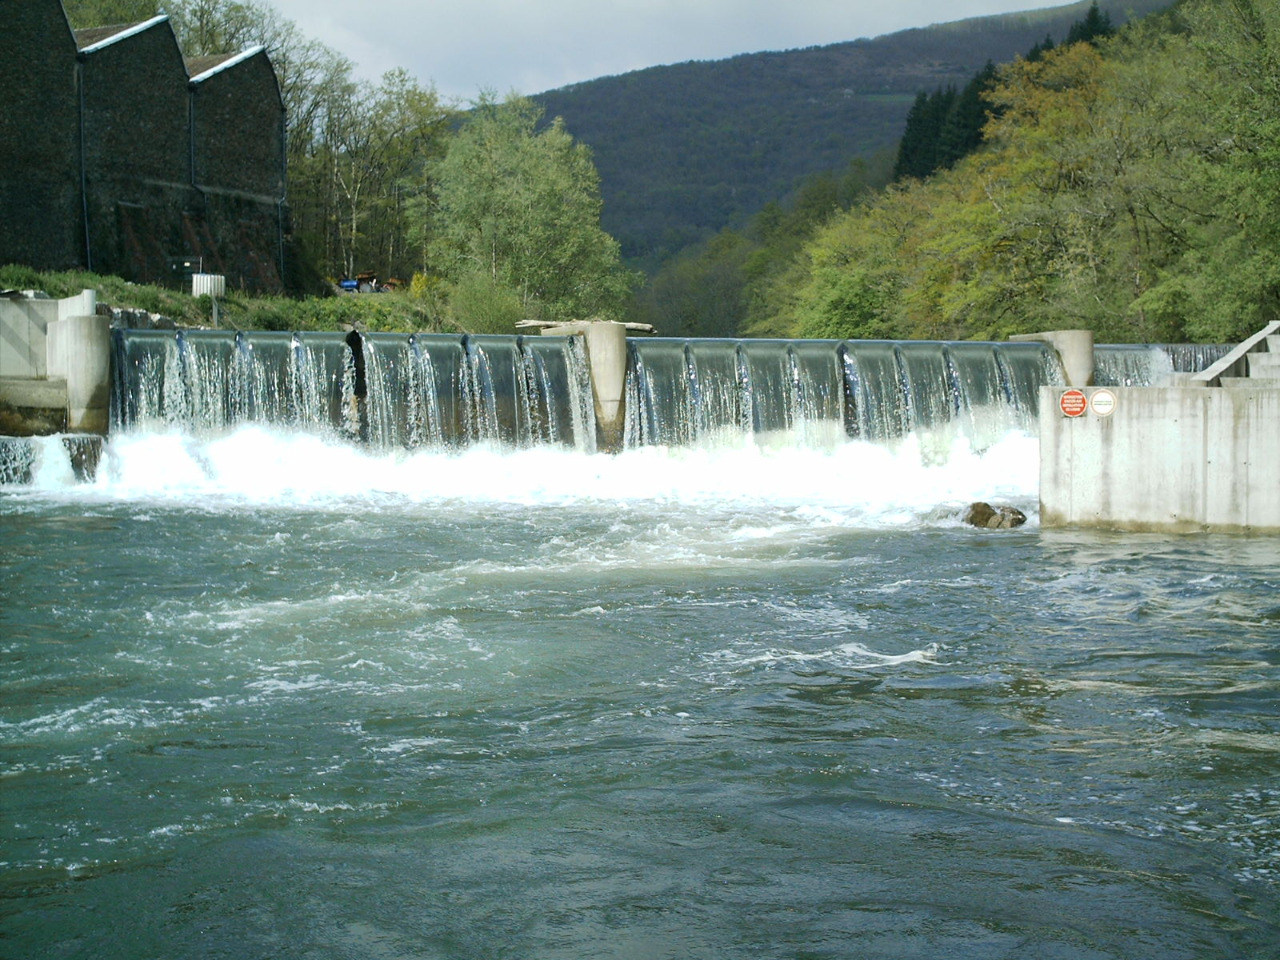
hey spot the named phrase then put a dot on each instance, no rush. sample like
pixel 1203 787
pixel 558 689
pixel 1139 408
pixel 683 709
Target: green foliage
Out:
pixel 377 145
pixel 701 293
pixel 374 312
pixel 846 304
pixel 739 281
pixel 1126 185
pixel 1095 26
pixel 945 126
pixel 480 304
pixel 918 149
pixel 111 290
pixel 520 206
pixel 689 149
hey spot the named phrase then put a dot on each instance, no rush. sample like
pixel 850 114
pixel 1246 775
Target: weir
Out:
pixel 390 390
pixel 449 392
pixel 441 391
pixel 821 391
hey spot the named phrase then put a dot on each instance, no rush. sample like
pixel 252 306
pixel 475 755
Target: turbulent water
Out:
pixel 267 695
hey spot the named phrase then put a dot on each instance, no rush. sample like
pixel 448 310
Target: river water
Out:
pixel 265 696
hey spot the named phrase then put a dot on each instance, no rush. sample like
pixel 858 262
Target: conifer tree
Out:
pixel 918 149
pixel 1095 26
pixel 961 132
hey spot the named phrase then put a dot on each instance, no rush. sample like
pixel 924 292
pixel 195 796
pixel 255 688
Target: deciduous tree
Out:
pixel 521 205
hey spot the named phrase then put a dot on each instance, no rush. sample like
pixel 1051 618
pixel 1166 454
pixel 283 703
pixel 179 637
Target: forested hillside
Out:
pixel 685 150
pixel 1129 187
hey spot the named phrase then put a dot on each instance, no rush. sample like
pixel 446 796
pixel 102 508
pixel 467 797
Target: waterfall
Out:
pixel 442 391
pixel 1151 365
pixel 446 392
pixel 207 381
pixel 1127 365
pixel 392 390
pixel 17 456
pixel 52 459
pixel 819 393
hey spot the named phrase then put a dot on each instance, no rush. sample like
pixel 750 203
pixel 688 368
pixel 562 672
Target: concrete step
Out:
pixel 1264 364
pixel 41 394
pixel 1273 343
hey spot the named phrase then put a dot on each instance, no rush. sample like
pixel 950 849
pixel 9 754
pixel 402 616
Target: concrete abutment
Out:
pixel 55 359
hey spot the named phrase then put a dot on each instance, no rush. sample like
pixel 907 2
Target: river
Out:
pixel 267 695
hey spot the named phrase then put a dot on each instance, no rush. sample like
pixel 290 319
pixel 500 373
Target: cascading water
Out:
pixel 17 456
pixel 222 404
pixel 893 430
pixel 446 392
pixel 419 390
pixel 825 392
pixel 208 381
pixel 1151 365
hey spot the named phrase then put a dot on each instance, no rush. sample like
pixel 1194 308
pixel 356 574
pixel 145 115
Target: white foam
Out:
pixel 854 483
pixel 849 656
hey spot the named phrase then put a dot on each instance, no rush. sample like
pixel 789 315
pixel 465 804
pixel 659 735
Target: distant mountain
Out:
pixel 685 150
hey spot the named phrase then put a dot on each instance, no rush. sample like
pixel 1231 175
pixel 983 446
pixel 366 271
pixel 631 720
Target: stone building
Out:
pixel 119 156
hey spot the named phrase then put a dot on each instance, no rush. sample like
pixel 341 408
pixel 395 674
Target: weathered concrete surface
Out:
pixel 1075 350
pixel 83 347
pixel 24 332
pixel 55 355
pixel 607 356
pixel 1166 459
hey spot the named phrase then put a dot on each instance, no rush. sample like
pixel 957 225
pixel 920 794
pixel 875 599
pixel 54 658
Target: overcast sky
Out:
pixel 464 46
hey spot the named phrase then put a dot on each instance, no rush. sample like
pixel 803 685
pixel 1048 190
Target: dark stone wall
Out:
pixel 138 153
pixel 158 183
pixel 249 236
pixel 39 138
pixel 239 121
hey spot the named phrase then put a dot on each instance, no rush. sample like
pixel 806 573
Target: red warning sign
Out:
pixel 1073 403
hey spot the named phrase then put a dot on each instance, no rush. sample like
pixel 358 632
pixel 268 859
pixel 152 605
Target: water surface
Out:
pixel 269 697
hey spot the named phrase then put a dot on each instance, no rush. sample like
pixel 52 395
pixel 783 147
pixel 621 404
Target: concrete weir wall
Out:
pixel 1163 459
pixel 56 355
pixel 607 357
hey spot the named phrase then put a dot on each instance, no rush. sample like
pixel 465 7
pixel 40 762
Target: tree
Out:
pixel 1095 26
pixel 521 205
pixel 1232 273
pixel 961 131
pixel 918 149
pixel 380 141
pixel 700 292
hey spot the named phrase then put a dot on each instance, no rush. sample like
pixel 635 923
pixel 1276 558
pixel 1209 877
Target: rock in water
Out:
pixel 982 514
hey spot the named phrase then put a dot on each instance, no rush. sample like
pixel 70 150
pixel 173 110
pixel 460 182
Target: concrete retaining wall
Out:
pixel 56 355
pixel 1166 459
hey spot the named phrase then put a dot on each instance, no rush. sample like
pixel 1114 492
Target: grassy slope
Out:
pixel 374 312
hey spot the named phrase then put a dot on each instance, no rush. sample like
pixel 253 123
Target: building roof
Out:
pixel 93 39
pixel 198 66
pixel 202 68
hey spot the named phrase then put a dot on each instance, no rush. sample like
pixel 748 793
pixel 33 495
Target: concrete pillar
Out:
pixel 84 304
pixel 1075 350
pixel 607 360
pixel 82 347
